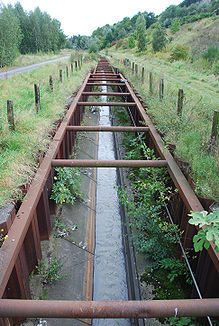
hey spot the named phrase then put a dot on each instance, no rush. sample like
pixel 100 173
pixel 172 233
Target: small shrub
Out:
pixel 212 53
pixel 50 272
pixel 215 68
pixel 66 186
pixel 180 52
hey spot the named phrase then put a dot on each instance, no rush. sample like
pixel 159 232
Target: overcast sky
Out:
pixel 83 17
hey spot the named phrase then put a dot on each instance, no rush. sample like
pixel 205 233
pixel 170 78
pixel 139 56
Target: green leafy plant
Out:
pixel 61 229
pixel 2 237
pixel 50 272
pixel 210 232
pixel 182 321
pixel 66 186
pixel 180 52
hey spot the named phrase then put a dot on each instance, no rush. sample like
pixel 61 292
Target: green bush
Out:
pixel 180 52
pixel 212 53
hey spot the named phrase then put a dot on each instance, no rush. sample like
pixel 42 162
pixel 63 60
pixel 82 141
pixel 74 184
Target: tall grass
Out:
pixel 19 149
pixel 190 132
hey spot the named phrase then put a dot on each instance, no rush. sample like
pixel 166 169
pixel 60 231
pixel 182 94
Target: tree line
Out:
pixel 27 32
pixel 135 28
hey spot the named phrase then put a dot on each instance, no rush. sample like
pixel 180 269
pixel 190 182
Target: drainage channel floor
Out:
pixel 75 249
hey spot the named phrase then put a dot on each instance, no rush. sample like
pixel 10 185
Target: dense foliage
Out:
pixel 174 16
pixel 27 32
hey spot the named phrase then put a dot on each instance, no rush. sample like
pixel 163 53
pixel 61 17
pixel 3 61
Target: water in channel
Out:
pixel 109 266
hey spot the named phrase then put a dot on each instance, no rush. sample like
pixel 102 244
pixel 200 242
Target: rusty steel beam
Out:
pixel 104 79
pixel 106 84
pixel 110 163
pixel 108 128
pixel 106 93
pixel 109 309
pixel 106 104
pixel 104 74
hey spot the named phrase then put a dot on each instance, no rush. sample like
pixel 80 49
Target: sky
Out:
pixel 83 17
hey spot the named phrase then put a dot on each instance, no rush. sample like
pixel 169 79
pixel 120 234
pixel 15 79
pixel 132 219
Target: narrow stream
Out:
pixel 109 265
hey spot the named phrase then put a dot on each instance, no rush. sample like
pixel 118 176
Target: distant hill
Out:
pixel 188 11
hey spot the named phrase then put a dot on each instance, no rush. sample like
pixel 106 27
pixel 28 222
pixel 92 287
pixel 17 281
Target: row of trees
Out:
pixel 135 28
pixel 104 36
pixel 27 32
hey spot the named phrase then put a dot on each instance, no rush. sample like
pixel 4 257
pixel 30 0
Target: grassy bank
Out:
pixel 19 150
pixel 190 133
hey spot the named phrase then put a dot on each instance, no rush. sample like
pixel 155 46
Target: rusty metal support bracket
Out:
pixel 107 128
pixel 110 163
pixel 109 309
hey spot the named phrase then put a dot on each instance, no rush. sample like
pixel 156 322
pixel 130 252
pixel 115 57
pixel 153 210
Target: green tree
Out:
pixel 141 33
pixel 131 42
pixel 10 35
pixel 175 25
pixel 159 38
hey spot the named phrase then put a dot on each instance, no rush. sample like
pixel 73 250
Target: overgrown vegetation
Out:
pixel 50 271
pixel 20 149
pixel 151 231
pixel 66 186
pixel 27 32
pixel 189 133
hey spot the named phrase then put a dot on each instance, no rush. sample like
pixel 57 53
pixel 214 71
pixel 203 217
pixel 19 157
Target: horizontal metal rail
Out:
pixel 110 163
pixel 106 84
pixel 106 103
pixel 106 93
pixel 108 128
pixel 109 309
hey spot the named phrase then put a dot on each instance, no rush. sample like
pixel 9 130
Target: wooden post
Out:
pixel 136 69
pixel 215 128
pixel 142 74
pixel 51 83
pixel 72 68
pixel 133 67
pixel 67 71
pixel 180 102
pixel 10 114
pixel 37 97
pixel 161 89
pixel 76 65
pixel 151 83
pixel 79 66
pixel 60 75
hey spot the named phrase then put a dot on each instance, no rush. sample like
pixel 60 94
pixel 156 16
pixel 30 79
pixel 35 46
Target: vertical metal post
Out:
pixel 161 89
pixel 180 102
pixel 37 97
pixel 76 65
pixel 133 67
pixel 10 114
pixel 72 68
pixel 51 82
pixel 67 71
pixel 60 75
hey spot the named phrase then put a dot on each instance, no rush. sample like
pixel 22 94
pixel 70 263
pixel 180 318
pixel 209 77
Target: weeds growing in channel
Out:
pixel 189 132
